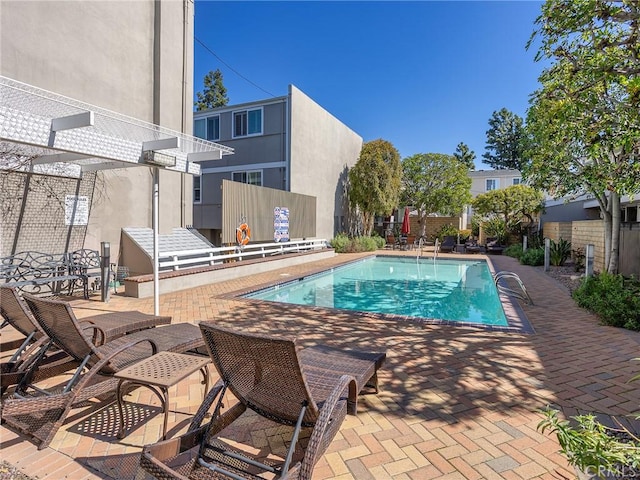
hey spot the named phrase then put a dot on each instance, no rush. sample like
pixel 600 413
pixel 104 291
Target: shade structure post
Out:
pixel 156 226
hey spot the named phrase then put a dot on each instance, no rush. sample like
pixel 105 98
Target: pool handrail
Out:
pixel 503 288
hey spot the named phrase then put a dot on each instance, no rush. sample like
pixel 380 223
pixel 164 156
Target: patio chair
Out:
pixel 275 383
pixel 494 246
pixel 471 246
pixel 39 412
pixel 448 244
pixel 391 241
pixel 30 363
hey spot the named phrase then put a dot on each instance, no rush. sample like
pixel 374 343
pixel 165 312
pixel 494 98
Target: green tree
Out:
pixel 214 94
pixel 511 204
pixel 505 141
pixel 584 121
pixel 374 181
pixel 435 183
pixel 465 155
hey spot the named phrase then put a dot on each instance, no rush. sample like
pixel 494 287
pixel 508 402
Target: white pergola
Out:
pixel 66 137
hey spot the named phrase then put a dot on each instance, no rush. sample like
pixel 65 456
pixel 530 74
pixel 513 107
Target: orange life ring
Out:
pixel 243 234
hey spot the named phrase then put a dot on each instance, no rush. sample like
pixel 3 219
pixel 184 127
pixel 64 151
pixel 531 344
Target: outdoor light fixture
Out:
pixel 159 159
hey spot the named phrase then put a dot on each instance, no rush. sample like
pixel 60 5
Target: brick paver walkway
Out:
pixel 456 403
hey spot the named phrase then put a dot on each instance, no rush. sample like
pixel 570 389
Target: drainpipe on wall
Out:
pixel 287 141
pixel 185 100
pixel 157 31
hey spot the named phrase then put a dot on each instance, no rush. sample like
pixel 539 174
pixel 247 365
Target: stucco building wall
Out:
pixel 329 148
pixel 133 57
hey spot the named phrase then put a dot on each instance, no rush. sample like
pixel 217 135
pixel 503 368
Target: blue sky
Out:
pixel 422 75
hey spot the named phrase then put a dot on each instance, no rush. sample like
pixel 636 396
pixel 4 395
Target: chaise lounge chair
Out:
pixel 40 413
pixel 448 244
pixel 30 364
pixel 494 246
pixel 276 384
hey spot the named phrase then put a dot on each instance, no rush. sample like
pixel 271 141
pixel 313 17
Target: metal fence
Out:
pixel 212 256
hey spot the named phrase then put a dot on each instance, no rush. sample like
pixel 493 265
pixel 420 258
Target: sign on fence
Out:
pixel 76 210
pixel 281 224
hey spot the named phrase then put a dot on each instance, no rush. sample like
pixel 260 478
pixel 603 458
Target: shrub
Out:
pixel 497 228
pixel 475 226
pixel 591 446
pixel 514 251
pixel 614 300
pixel 533 256
pixel 535 240
pixel 559 252
pixel 578 258
pixel 380 242
pixel 367 244
pixel 464 235
pixel 446 230
pixel 341 243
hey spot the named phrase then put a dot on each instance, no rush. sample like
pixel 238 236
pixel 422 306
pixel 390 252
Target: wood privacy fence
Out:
pixel 629 260
pixel 583 232
pixel 255 206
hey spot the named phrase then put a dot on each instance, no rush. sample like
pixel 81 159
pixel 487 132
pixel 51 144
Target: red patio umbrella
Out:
pixel 405 223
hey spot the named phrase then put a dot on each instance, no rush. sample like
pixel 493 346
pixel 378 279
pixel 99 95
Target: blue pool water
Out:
pixel 454 290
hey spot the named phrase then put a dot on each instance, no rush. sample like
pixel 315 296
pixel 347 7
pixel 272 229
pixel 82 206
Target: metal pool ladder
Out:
pixel 503 287
pixel 421 242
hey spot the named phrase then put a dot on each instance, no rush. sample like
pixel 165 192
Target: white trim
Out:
pixel 239 106
pixel 79 120
pixel 235 168
pixel 204 156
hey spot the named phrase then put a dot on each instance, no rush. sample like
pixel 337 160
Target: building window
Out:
pixel 252 177
pixel 247 122
pixel 200 128
pixel 630 214
pixel 207 128
pixel 213 128
pixel 516 181
pixel 197 189
pixel 491 184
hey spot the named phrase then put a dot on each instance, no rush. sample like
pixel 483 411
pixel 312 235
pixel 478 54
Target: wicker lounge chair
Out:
pixel 448 244
pixel 307 390
pixel 30 363
pixel 40 413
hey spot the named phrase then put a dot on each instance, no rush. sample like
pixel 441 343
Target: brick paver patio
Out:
pixel 456 403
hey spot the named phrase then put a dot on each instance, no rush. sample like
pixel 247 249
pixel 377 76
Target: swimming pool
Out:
pixel 450 290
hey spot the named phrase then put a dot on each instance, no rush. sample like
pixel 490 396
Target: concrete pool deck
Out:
pixel 456 402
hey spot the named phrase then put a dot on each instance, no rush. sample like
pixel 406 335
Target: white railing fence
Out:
pixel 182 259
